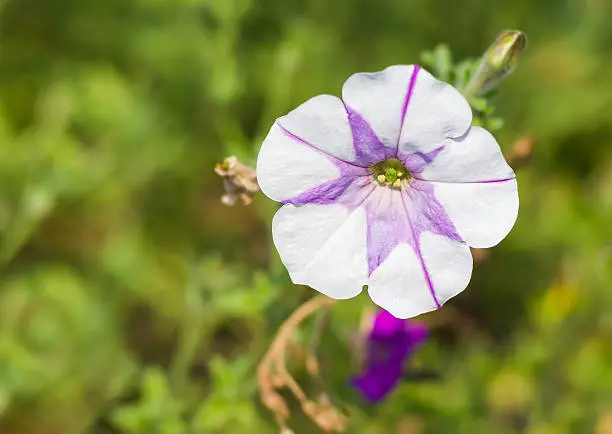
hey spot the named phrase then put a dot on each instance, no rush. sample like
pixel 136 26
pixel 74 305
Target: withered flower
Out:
pixel 239 180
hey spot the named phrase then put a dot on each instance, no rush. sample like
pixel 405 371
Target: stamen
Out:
pixel 390 173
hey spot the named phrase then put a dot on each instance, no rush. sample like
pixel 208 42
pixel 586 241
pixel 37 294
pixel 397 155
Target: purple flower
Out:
pixel 388 188
pixel 390 343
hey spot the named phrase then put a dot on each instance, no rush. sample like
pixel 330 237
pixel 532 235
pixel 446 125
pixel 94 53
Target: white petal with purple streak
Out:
pixel 435 111
pixel 287 167
pixel 322 121
pixel 399 285
pixel 414 281
pixel 323 246
pixel 380 98
pixel 483 213
pixel 476 157
pixel 437 266
pixel 449 264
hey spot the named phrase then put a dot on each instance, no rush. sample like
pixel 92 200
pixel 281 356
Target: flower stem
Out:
pixel 191 328
pixel 272 373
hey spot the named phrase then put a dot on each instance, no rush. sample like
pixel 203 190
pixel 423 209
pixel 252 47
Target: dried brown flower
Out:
pixel 273 375
pixel 239 180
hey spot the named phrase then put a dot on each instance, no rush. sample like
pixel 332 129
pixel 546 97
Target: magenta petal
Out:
pixel 391 342
pixel 375 386
pixel 416 333
pixel 386 325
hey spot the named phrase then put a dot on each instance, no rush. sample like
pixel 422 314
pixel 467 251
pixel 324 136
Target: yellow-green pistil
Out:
pixel 390 173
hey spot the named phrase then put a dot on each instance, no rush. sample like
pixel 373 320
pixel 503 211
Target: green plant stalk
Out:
pixel 193 327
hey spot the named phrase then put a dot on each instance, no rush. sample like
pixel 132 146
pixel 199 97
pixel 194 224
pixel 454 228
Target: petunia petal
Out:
pixel 323 246
pixel 375 385
pixel 483 213
pixel 380 99
pixel 323 122
pixel 413 281
pixel 350 189
pixel 476 157
pixel 386 325
pixel 287 167
pixel 449 264
pixel 435 111
pixel 388 225
pixel 416 333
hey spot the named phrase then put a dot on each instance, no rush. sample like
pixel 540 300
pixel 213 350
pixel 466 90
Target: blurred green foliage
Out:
pixel 132 301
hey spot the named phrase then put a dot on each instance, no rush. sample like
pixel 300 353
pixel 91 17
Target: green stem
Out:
pixel 192 326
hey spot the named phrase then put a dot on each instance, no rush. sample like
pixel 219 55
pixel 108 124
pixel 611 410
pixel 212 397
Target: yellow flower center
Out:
pixel 390 173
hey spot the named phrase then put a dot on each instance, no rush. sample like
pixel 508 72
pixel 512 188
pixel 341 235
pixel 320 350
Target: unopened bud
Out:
pixel 239 180
pixel 497 62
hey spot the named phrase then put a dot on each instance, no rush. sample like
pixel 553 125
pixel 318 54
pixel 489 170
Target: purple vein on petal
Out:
pixel 352 201
pixel 493 181
pixel 416 162
pixel 310 145
pixel 425 213
pixel 417 249
pixel 387 226
pixel 489 181
pixel 427 276
pixel 395 217
pixel 346 189
pixel 407 98
pixel 349 188
pixel 428 213
pixel 369 149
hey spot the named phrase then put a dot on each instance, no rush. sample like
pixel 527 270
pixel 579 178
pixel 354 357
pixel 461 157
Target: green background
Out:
pixel 132 301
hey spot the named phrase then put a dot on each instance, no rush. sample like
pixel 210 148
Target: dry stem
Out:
pixel 272 373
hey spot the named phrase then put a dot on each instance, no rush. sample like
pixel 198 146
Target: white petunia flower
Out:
pixel 387 187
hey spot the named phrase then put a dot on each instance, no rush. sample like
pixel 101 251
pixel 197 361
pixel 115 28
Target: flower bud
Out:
pixel 498 62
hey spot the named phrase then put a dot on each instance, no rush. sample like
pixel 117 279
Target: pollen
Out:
pixel 390 173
